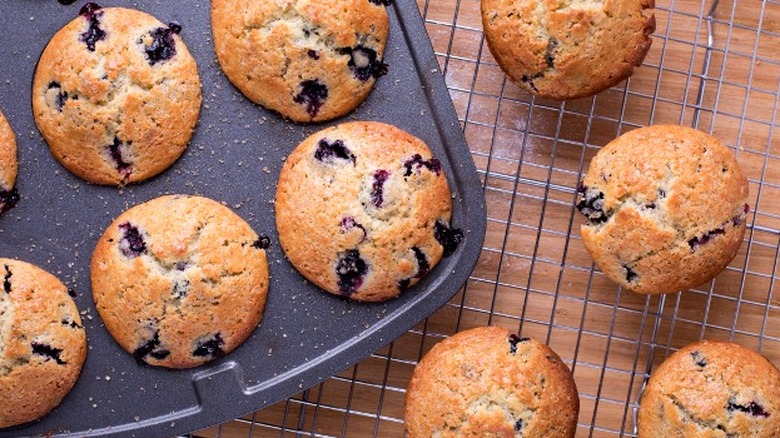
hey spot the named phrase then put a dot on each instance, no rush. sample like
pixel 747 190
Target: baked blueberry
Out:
pixel 8 199
pixel 313 94
pixel 449 238
pixel 132 244
pixel 549 56
pixel 348 223
pixel 335 149
pixel 150 348
pixel 751 408
pixel 262 242
pixel 163 45
pixel 48 351
pixel 631 275
pixel 381 2
pixel 696 242
pixel 62 96
pixel 698 359
pixel 181 288
pixel 210 347
pixel 422 262
pixel 377 188
pixel 122 166
pixel 416 163
pixel 519 425
pixel 514 340
pixel 364 62
pixel 592 205
pixel 351 269
pixel 7 280
pixel 92 12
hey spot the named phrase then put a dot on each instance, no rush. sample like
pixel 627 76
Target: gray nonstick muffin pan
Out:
pixel 235 156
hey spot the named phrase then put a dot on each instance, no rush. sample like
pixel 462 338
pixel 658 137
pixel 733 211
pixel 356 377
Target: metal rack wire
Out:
pixel 714 65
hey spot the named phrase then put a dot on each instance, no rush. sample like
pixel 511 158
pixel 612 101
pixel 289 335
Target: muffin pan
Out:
pixel 238 149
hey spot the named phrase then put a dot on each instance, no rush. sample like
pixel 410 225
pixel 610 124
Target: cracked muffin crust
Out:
pixel 565 49
pixel 714 390
pixel 308 60
pixel 665 208
pixel 116 95
pixel 363 210
pixel 9 195
pixel 486 383
pixel 42 342
pixel 180 280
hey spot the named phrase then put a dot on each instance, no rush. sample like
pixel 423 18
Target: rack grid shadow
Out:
pixel 713 65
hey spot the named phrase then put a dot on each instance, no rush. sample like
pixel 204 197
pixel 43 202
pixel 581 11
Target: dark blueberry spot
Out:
pixel 71 292
pixel 92 12
pixel 737 220
pixel 530 81
pixel 181 288
pixel 62 96
pixel 181 266
pixel 115 152
pixel 514 340
pixel 746 209
pixel 381 2
pixel 160 354
pixel 313 54
pixel 326 150
pixel 313 94
pixel 48 351
pixel 132 244
pixel 175 27
pixel 403 285
pixel 364 62
pixel 211 347
pixel 519 425
pixel 72 324
pixel 377 189
pixel 751 408
pixel 8 199
pixel 449 238
pixel 7 280
pixel 349 223
pixel 631 275
pixel 262 242
pixel 699 359
pixel 549 56
pixel 149 348
pixel 417 162
pixel 163 46
pixel 592 205
pixel 422 262
pixel 67 2
pixel 661 193
pixel 650 206
pixel 696 242
pixel 351 269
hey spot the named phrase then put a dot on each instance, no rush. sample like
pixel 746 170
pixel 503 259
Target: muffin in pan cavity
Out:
pixel 180 280
pixel 9 165
pixel 363 210
pixel 566 49
pixel 308 60
pixel 665 208
pixel 116 95
pixel 42 342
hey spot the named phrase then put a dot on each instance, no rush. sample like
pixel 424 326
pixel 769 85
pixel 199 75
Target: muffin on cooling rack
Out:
pixel 180 280
pixel 42 342
pixel 485 382
pixel 566 50
pixel 308 60
pixel 363 210
pixel 665 209
pixel 712 389
pixel 116 95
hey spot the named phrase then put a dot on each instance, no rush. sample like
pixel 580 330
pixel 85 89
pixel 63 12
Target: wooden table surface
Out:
pixel 534 274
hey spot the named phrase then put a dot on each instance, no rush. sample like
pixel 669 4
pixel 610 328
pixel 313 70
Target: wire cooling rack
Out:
pixel 713 65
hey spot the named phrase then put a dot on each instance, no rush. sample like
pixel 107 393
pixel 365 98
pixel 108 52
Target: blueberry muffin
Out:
pixel 712 389
pixel 363 210
pixel 116 95
pixel 9 195
pixel 180 280
pixel 565 50
pixel 308 60
pixel 486 383
pixel 665 209
pixel 42 342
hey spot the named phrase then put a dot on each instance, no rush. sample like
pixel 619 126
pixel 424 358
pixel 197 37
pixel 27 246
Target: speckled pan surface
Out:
pixel 235 157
